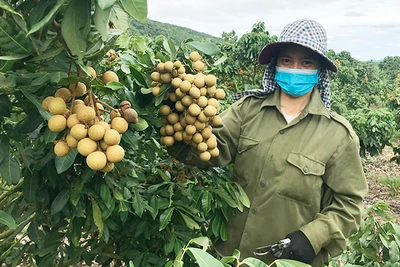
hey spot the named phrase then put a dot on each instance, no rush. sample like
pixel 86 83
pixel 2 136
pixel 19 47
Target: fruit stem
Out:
pixel 92 100
pixel 106 105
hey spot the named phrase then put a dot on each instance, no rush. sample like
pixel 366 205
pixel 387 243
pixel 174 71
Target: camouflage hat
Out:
pixel 304 32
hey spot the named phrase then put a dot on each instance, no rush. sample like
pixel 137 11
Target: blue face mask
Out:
pixel 296 82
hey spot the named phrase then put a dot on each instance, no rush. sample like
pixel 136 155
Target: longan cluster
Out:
pixel 112 55
pixel 84 125
pixel 195 108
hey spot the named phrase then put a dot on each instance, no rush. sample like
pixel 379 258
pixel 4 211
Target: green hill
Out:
pixel 178 34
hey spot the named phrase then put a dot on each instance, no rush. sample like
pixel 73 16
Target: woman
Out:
pixel 298 161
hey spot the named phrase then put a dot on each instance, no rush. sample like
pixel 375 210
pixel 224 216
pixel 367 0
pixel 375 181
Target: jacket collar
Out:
pixel 315 106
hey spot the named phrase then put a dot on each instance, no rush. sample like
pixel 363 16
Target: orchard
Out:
pixel 87 112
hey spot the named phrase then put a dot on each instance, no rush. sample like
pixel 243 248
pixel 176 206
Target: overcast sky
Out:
pixel 368 29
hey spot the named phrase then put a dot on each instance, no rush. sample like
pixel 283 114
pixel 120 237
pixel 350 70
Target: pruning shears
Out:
pixel 276 249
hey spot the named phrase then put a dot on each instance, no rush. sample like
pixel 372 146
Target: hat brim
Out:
pixel 270 50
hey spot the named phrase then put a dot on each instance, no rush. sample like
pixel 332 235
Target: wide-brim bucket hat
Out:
pixel 304 32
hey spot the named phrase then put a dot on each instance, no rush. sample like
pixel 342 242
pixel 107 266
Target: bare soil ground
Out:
pixel 379 167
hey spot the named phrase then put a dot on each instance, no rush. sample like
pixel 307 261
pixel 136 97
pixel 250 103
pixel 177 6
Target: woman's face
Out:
pixel 295 56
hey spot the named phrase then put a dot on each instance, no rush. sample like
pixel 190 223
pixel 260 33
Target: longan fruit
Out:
pixel 181 70
pixel 72 120
pixel 179 106
pixel 103 145
pixel 173 118
pixel 96 160
pixel 199 81
pixel 160 67
pixel 176 82
pixel 57 106
pixel 109 167
pixel 71 141
pixel 177 64
pixel 172 96
pixel 155 91
pixel 214 152
pixel 168 66
pixel 112 137
pixel 211 91
pixel 202 101
pixel 86 146
pixel 178 126
pixel 194 56
pixel 216 121
pixel 64 93
pixel 45 102
pixel 86 114
pixel 206 133
pixel 185 86
pixel 168 140
pixel 179 93
pixel 165 77
pixel 194 110
pixel 190 129
pixel 187 100
pixel 110 76
pixel 178 136
pixel 189 77
pixel 130 115
pixel 205 156
pixel 78 131
pixel 210 80
pixel 202 117
pixel 119 124
pixel 169 129
pixel 197 138
pixel 198 65
pixel 79 89
pixel 211 142
pixel 92 71
pixel 165 110
pixel 202 146
pixel 155 76
pixel 213 102
pixel 199 125
pixel 219 94
pixel 194 92
pixel 96 132
pixel 57 123
pixel 210 111
pixel 104 124
pixel 115 153
pixel 190 120
pixel 61 149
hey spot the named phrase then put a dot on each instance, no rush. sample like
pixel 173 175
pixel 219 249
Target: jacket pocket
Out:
pixel 301 180
pixel 245 143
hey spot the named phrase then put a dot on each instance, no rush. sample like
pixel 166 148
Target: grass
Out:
pixel 392 182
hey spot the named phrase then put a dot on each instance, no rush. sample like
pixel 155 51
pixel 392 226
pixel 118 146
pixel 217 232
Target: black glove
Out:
pixel 300 248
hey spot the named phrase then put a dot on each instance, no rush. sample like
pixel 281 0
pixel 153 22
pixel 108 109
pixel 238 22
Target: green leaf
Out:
pixel 15 57
pixel 202 241
pixel 105 194
pixel 48 18
pixel 115 86
pixel 63 163
pixel 35 234
pixel 13 40
pixel 105 4
pixel 206 201
pixel 137 203
pixel 138 76
pixel 7 7
pixel 135 8
pixel 48 260
pixel 101 18
pixel 4 83
pixel 30 123
pixel 75 26
pixel 5 146
pixel 98 221
pixel 45 115
pixel 76 189
pixel 170 47
pixel 282 263
pixel 60 201
pixel 220 60
pixel 243 196
pixel 30 186
pixel 130 138
pixel 9 169
pixel 49 54
pixel 141 125
pixel 164 176
pixel 190 223
pixel 207 48
pixel 7 220
pixel 119 18
pixel 165 217
pixel 204 259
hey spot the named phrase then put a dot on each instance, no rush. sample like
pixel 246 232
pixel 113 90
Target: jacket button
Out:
pixel 254 210
pixel 305 169
pixel 263 184
pixel 281 131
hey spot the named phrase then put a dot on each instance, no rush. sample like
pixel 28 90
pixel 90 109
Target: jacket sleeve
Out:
pixel 341 213
pixel 227 139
